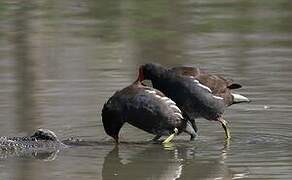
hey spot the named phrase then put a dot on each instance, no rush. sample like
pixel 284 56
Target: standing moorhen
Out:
pixel 145 108
pixel 192 97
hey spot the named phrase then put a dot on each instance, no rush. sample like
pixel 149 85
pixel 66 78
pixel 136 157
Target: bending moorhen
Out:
pixel 145 108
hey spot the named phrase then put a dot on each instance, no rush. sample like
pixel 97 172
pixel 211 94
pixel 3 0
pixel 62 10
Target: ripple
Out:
pixel 261 139
pixel 258 140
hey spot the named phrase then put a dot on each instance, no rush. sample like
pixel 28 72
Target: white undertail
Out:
pixel 237 98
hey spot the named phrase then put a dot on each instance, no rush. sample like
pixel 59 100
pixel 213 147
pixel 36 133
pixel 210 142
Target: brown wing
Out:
pixel 218 85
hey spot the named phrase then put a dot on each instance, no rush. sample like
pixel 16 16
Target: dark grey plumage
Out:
pixel 145 108
pixel 192 97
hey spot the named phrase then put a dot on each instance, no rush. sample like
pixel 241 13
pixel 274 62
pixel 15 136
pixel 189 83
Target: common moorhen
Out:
pixel 145 108
pixel 191 96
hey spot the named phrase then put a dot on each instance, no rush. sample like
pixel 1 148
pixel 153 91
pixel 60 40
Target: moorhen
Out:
pixel 191 96
pixel 145 108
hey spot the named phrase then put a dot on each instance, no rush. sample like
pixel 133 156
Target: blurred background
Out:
pixel 61 60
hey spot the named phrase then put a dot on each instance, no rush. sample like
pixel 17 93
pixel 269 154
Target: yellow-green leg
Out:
pixel 224 124
pixel 170 137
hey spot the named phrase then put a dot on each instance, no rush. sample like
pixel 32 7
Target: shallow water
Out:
pixel 61 60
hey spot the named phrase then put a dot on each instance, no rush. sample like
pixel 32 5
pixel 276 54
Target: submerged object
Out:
pixel 43 144
pixel 145 108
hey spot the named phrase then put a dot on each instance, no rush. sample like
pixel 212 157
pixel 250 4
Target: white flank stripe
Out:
pixel 179 114
pixel 151 92
pixel 165 98
pixel 169 101
pixel 196 81
pixel 158 96
pixel 175 107
pixel 205 87
pixel 192 77
pixel 217 97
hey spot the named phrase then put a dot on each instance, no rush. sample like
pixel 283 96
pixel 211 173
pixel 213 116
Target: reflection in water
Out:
pixel 24 155
pixel 73 54
pixel 166 165
pixel 154 162
pixel 25 67
pixel 157 31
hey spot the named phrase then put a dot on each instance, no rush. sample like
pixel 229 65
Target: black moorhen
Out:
pixel 192 97
pixel 145 108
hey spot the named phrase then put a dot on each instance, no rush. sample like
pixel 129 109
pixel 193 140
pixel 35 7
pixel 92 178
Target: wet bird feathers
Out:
pixel 145 108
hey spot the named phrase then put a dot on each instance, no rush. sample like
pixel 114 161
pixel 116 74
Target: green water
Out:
pixel 61 60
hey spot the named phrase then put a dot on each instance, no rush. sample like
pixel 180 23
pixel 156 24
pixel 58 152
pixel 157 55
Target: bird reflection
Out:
pixel 39 155
pixel 155 162
pixel 152 162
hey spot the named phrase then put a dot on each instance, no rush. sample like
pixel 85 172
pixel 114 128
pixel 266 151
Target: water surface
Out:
pixel 61 60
